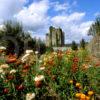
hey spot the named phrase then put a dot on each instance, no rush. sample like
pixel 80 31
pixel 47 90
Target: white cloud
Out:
pixel 60 7
pixel 37 36
pixel 10 7
pixel 73 26
pixel 35 16
pixel 76 16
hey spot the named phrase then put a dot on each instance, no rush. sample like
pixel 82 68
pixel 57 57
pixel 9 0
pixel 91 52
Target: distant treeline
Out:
pixel 16 40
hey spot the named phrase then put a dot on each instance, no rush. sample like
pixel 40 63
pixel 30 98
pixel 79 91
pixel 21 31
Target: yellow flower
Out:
pixel 44 64
pixel 77 95
pixel 78 84
pixel 71 81
pixel 90 93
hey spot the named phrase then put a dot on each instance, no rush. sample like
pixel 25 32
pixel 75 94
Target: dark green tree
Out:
pixel 12 34
pixel 16 39
pixel 82 44
pixel 74 46
pixel 95 27
pixel 95 32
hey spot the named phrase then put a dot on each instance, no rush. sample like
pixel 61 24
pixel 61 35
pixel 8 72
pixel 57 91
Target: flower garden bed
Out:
pixel 68 75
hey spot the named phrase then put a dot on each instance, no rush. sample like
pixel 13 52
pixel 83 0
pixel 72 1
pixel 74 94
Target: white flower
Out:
pixel 1 71
pixel 30 96
pixel 39 78
pixel 12 71
pixel 42 68
pixel 2 48
pixel 2 76
pixel 36 52
pixel 29 51
pixel 24 58
pixel 45 59
pixel 55 53
pixel 50 57
pixel 4 66
pixel 90 66
pixel 40 61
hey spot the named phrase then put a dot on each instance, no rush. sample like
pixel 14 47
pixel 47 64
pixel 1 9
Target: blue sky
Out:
pixel 73 16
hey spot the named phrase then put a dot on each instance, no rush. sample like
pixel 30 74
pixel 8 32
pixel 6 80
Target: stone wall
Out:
pixel 55 37
pixel 94 46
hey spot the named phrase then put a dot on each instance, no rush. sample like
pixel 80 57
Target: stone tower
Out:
pixel 55 37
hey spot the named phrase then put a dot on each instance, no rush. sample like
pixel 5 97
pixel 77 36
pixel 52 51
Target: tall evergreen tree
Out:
pixel 82 44
pixel 74 46
pixel 95 27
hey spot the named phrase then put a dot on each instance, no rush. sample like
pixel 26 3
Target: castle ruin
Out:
pixel 55 37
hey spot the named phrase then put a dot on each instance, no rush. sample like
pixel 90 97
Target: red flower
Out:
pixel 5 91
pixel 25 70
pixel 26 66
pixel 38 84
pixel 19 87
pixel 11 60
pixel 97 64
pixel 74 68
pixel 39 81
pixel 75 59
pixel 10 77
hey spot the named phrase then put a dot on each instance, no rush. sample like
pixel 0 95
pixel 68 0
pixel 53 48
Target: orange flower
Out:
pixel 87 98
pixel 83 97
pixel 68 52
pixel 51 62
pixel 11 60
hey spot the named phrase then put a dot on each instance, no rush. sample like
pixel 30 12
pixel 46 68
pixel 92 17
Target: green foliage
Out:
pixel 17 40
pixel 74 46
pixel 82 44
pixel 41 46
pixel 49 49
pixel 95 27
pixel 59 79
